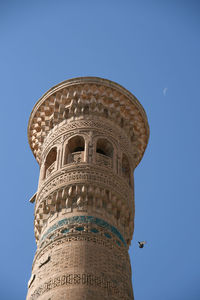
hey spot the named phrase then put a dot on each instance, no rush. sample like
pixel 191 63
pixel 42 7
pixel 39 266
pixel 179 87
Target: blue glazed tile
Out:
pixel 80 228
pixel 94 230
pixel 107 235
pixel 85 219
pixel 65 230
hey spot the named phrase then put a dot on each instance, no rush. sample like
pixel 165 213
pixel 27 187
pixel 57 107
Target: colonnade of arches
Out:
pixel 104 154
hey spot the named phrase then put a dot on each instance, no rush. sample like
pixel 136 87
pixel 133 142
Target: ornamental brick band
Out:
pixel 87 134
pixel 82 220
pixel 90 280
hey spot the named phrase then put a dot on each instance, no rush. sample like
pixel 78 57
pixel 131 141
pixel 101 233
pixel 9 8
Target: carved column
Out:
pixel 84 208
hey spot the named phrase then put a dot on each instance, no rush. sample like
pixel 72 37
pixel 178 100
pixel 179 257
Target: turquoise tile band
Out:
pixel 79 220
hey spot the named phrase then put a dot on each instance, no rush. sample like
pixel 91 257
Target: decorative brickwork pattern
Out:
pixel 88 135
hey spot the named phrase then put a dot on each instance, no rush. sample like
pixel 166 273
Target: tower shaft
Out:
pixel 88 135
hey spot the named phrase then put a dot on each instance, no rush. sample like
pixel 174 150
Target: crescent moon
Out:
pixel 165 91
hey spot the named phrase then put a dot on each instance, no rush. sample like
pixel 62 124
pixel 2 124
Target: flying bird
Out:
pixel 141 244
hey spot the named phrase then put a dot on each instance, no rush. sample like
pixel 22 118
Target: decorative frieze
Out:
pixel 109 287
pixel 77 220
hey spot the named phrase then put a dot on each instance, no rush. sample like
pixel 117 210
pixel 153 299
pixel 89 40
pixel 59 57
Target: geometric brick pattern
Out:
pixel 90 95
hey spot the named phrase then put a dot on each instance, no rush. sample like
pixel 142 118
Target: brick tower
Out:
pixel 87 134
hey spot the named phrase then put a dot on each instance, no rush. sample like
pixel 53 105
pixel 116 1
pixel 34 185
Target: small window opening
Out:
pixel 104 153
pixel 104 147
pixel 50 161
pixel 74 146
pixel 101 151
pixel 78 149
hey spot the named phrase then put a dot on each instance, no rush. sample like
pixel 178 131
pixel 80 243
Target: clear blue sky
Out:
pixel 151 48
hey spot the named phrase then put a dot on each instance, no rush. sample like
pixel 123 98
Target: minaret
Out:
pixel 87 134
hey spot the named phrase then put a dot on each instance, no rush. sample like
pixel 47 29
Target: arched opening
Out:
pixel 104 153
pixel 74 151
pixel 50 162
pixel 126 171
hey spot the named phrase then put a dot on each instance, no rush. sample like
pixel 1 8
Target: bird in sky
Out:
pixel 141 244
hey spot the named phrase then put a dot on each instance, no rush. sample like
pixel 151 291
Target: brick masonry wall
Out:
pixel 88 135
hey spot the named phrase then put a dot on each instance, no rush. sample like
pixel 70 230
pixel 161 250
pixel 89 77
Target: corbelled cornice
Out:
pixel 98 94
